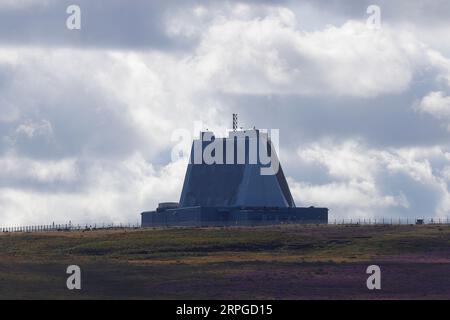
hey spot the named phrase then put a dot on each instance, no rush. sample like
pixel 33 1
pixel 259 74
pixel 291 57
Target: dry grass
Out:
pixel 226 262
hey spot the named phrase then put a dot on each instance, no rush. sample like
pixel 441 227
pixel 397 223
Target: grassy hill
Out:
pixel 278 262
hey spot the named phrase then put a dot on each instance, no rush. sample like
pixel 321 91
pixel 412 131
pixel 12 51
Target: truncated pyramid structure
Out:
pixel 236 180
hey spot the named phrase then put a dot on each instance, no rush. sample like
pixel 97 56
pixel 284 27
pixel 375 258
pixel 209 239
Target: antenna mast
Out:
pixel 235 121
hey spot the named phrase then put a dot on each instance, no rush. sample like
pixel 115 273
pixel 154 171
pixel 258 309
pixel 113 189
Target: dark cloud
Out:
pixel 385 121
pixel 140 24
pixel 112 23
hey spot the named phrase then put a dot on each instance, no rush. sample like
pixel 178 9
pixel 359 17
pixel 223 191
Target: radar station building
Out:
pixel 237 180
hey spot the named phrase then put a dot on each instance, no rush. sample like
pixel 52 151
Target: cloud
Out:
pixel 90 138
pixel 32 129
pixel 437 104
pixel 442 64
pixel 17 168
pixel 112 192
pixel 269 55
pixel 372 183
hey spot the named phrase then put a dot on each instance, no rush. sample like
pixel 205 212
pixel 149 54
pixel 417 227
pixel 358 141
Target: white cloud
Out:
pixel 350 199
pixel 344 161
pixel 43 171
pixel 436 103
pixel 442 64
pixel 266 53
pixel 361 177
pixel 32 129
pixel 115 192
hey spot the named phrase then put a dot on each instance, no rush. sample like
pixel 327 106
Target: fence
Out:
pixel 390 221
pixel 71 227
pixel 112 226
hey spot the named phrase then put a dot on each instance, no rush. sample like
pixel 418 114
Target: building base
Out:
pixel 232 216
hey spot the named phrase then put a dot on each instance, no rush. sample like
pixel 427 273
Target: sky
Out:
pixel 89 117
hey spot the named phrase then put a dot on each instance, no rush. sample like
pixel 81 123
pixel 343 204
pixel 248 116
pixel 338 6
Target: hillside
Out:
pixel 279 262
